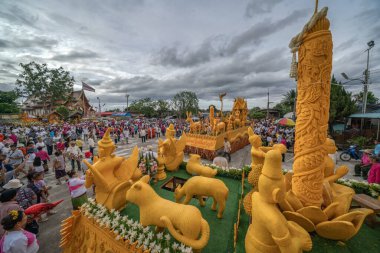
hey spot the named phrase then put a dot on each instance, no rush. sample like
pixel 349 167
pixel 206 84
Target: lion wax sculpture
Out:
pixel 171 150
pixel 204 186
pixel 270 232
pixel 111 174
pixel 194 167
pixel 184 222
pixel 314 202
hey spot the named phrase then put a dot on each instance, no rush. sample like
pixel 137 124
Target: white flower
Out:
pixel 175 246
pixel 182 247
pixel 118 238
pixel 167 237
pixel 166 250
pixel 152 245
pixel 146 229
pixel 157 248
pixel 150 235
pixel 146 241
pixel 160 236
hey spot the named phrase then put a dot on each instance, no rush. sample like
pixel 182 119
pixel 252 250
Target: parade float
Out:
pixel 303 210
pixel 207 136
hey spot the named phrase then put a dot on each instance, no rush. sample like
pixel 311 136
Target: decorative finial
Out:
pixel 316 7
pixel 106 141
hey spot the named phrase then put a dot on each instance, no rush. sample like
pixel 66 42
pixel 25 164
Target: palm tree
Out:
pixel 288 99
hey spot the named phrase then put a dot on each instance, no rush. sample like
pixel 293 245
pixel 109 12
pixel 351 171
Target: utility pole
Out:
pixel 127 96
pixel 268 106
pixel 370 44
pixel 100 110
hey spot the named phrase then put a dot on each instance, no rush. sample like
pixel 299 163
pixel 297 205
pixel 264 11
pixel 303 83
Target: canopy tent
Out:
pixel 121 114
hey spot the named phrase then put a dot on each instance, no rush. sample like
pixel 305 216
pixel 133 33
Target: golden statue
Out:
pixel 258 155
pixel 110 174
pixel 270 232
pixel 184 222
pixel 195 127
pixel 315 202
pixel 171 150
pixel 204 186
pixel 194 167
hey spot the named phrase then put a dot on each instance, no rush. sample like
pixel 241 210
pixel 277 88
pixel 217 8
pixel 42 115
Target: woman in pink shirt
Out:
pixel 363 167
pixel 374 172
pixel 44 158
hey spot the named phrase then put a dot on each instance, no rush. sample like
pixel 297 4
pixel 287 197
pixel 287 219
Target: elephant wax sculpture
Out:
pixel 269 231
pixel 204 186
pixel 184 222
pixel 194 167
pixel 258 155
pixel 110 174
pixel 333 220
pixel 171 150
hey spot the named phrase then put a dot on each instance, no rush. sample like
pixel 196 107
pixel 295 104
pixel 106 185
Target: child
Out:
pixel 40 184
pixel 88 156
pixel 77 189
pixel 44 158
pixel 37 165
pixel 59 166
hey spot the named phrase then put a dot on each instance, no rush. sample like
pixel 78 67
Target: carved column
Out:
pixel 313 103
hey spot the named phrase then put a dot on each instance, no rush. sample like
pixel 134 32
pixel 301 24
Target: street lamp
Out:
pixel 370 45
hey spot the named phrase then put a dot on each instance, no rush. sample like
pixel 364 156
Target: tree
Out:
pixel 341 102
pixel 288 100
pixel 255 113
pixel 47 85
pixel 186 101
pixel 161 107
pixel 371 98
pixel 144 106
pixel 115 110
pixel 63 111
pixel 8 102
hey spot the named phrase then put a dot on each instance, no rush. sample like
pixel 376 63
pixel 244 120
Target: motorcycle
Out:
pixel 352 152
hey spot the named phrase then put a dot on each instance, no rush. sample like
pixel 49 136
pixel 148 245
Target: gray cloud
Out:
pixel 261 30
pixel 185 58
pixel 259 7
pixel 75 55
pixel 33 42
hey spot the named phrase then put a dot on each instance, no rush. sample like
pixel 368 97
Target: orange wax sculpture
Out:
pixel 270 232
pixel 171 150
pixel 111 174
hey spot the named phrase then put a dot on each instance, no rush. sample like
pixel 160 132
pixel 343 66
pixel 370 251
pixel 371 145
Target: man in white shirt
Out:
pixel 91 144
pixel 75 155
pixel 227 149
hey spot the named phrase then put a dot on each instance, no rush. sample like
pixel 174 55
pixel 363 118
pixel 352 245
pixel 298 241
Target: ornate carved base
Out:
pixel 83 235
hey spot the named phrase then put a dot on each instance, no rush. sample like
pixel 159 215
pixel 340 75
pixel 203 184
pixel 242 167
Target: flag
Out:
pixel 85 86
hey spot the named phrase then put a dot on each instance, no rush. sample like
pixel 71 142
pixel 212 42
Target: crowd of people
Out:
pixel 28 154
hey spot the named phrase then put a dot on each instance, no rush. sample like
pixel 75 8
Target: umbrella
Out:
pixel 285 122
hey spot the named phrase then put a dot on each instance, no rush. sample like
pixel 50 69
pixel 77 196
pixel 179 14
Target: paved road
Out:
pixel 49 231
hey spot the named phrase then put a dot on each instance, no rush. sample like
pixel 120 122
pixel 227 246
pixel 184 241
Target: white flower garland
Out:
pixel 126 228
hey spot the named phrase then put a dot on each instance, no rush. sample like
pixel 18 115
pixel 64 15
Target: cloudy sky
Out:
pixel 155 48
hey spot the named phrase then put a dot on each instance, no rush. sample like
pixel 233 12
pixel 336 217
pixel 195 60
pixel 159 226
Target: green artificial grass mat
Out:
pixel 221 230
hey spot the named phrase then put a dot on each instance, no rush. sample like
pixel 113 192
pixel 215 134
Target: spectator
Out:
pixel 227 149
pixel 16 239
pixel 59 166
pixel 74 154
pixel 77 190
pixel 44 158
pixel 365 164
pixel 8 203
pixel 377 148
pixel 374 172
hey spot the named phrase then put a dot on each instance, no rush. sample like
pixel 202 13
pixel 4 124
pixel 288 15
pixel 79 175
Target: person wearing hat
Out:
pixel 8 203
pixel 74 154
pixel 88 158
pixel 25 197
pixel 363 167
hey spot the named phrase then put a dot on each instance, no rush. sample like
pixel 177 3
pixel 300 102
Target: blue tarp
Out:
pixel 121 114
